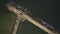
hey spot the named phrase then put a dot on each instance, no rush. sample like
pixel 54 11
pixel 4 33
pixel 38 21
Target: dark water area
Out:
pixel 6 19
pixel 28 28
pixel 48 10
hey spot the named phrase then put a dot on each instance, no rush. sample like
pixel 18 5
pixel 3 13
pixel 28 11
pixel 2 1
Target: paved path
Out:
pixel 24 15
